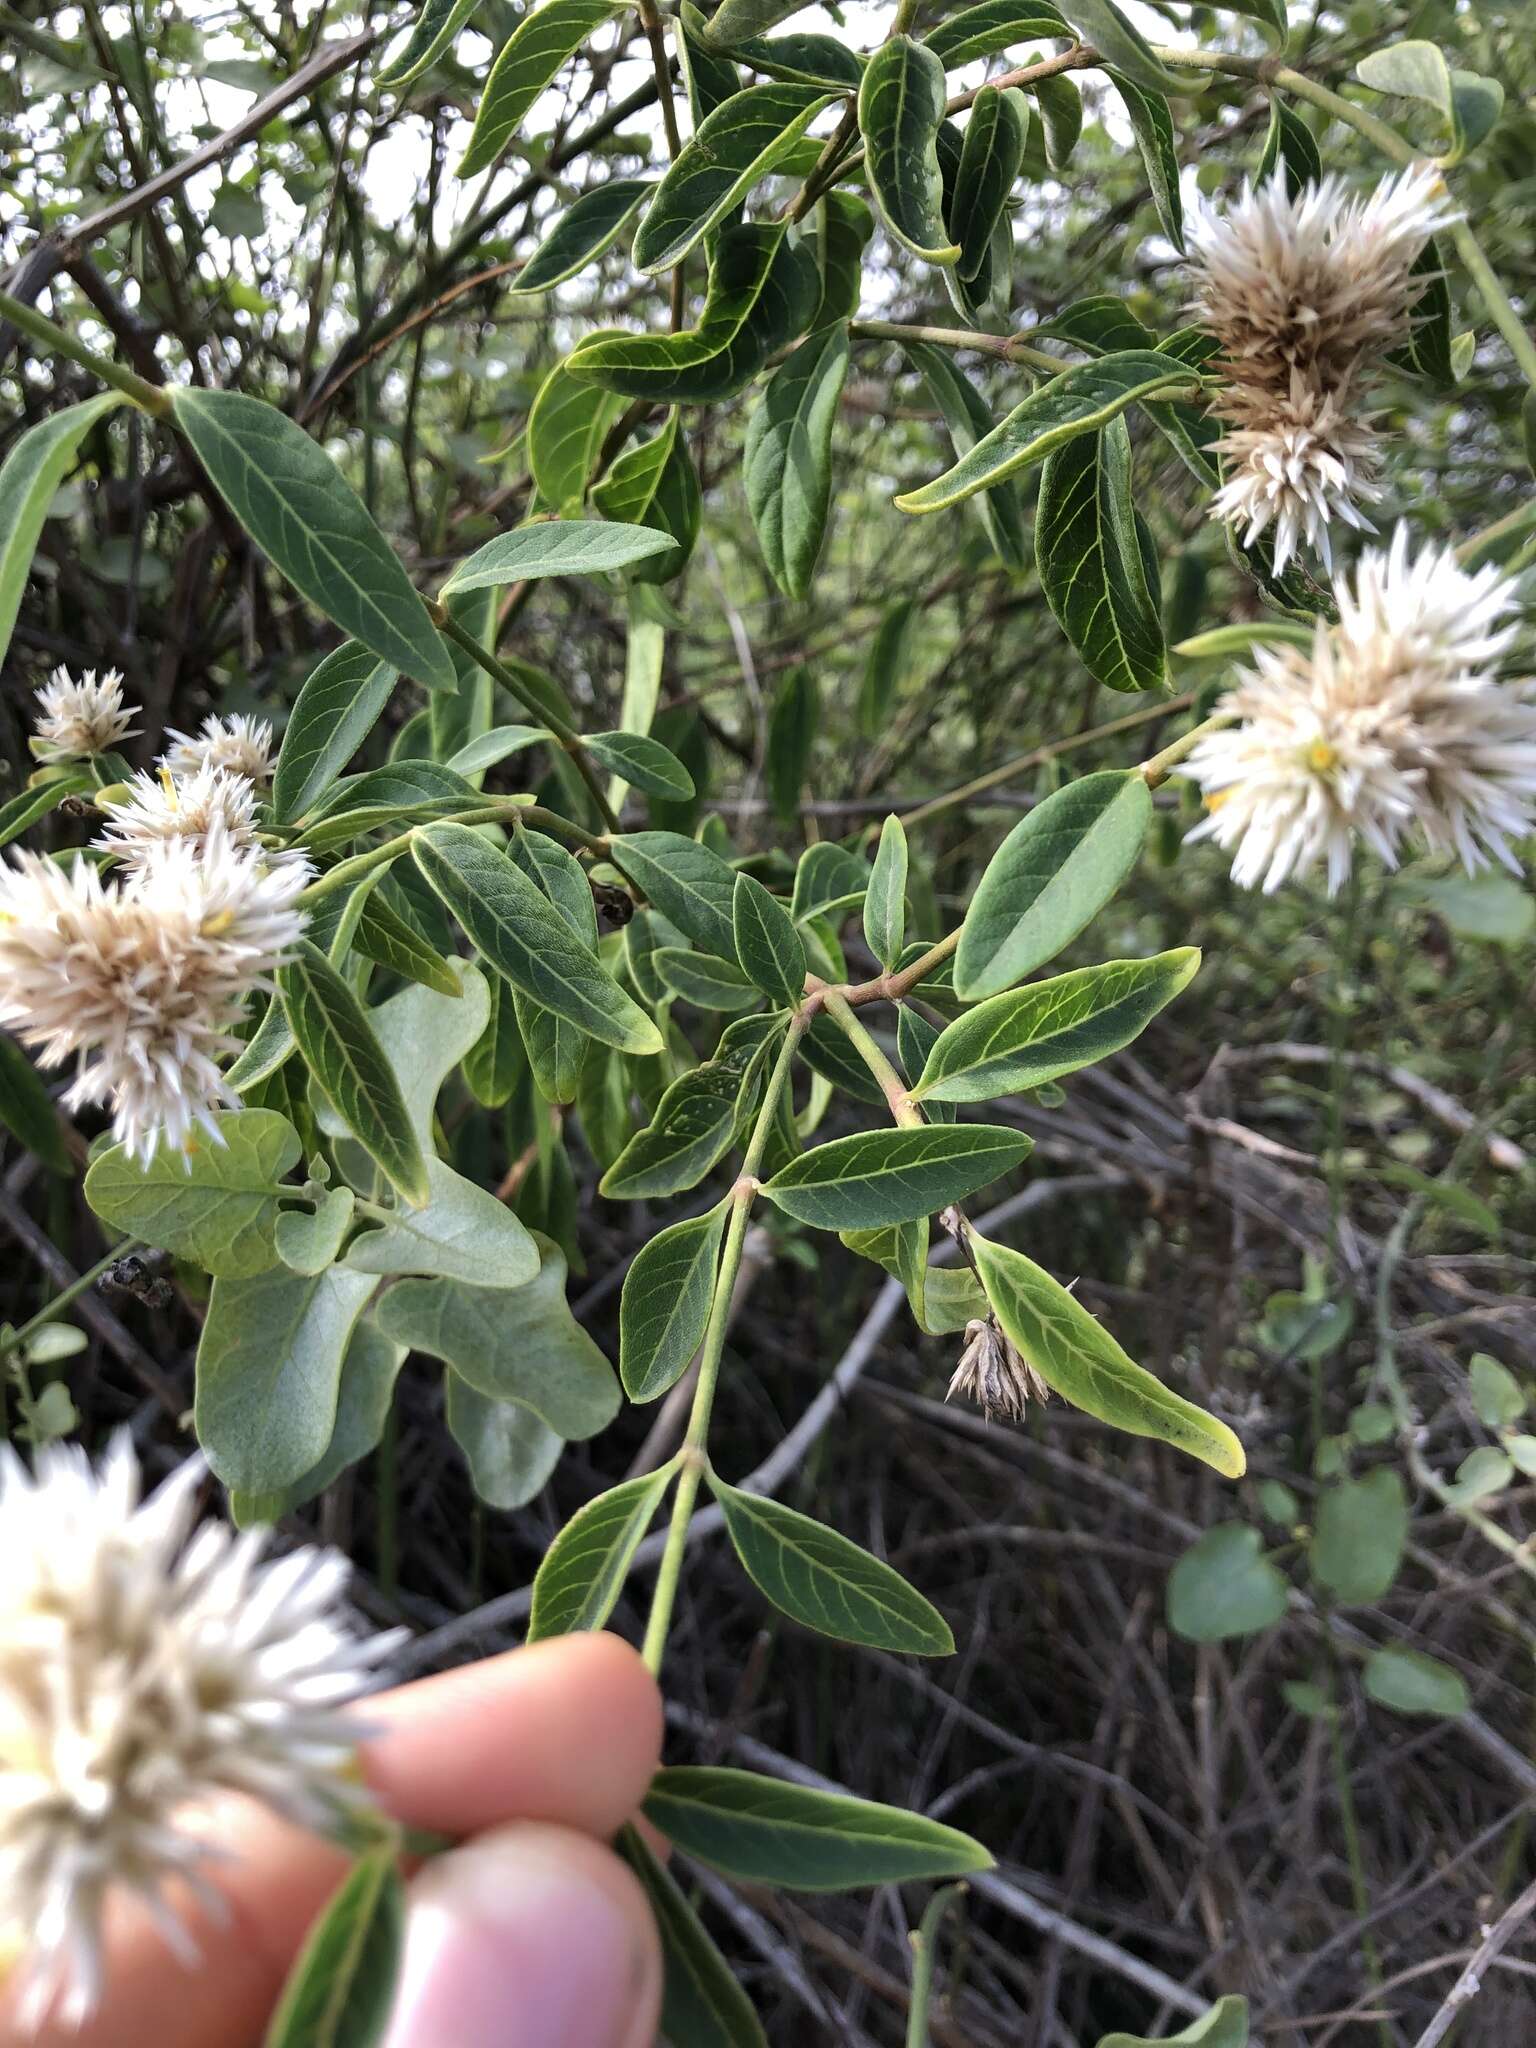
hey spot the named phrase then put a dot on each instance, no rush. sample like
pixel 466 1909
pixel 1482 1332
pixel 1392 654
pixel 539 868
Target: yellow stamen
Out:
pixel 1218 797
pixel 214 927
pixel 1321 757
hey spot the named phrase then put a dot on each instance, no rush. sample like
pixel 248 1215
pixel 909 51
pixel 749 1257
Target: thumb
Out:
pixel 531 1936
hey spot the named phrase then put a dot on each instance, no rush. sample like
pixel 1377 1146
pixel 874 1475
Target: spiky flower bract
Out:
pixel 241 744
pixel 995 1374
pixel 78 719
pixel 157 808
pixel 143 980
pixel 145 1665
pixel 1396 718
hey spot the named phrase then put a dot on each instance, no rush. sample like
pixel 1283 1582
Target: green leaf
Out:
pixel 893 1176
pixel 27 1111
pixel 691 1132
pixel 642 761
pixel 307 1241
pixel 704 981
pixel 762 290
pixel 1497 1395
pixel 567 425
pixel 1036 1034
pixel 1497 908
pixel 665 1304
pixel 792 725
pixel 498 744
pixel 215 1204
pixel 38 798
pixel 826 1583
pixel 38 462
pixel 1481 1473
pixel 768 946
pixel 368 1374
pixel 556 547
pixel 1226 2024
pixel 1288 142
pixel 509 1450
pixel 628 487
pixel 1412 1683
pixel 404 790
pixel 691 886
pixel 1223 1586
pixel 424 1035
pixel 702 2004
pixel 711 79
pixel 839 232
pixel 385 936
pixel 735 20
pixel 268 1372
pixel 804 58
pixel 299 508
pixel 527 1348
pixel 333 714
pixel 341 1988
pixel 1061 117
pixel 787 461
pixel 463 1233
pixel 583 1571
pixel 990 159
pixel 541 43
pixel 994 25
pixel 1101 23
pixel 1078 401
pixel 969 420
pixel 901 103
pixel 1155 138
pixel 1051 876
pixel 1079 1358
pixel 828 879
pixel 733 149
pixel 826 1051
pixel 762 1831
pixel 1468 105
pixel 1361 1527
pixel 590 225
pixel 885 904
pixel 514 925
pixel 883 668
pixel 335 1036
pixel 431 33
pixel 495 1061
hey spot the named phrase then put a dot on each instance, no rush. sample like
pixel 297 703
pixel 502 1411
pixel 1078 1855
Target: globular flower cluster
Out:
pixel 1393 720
pixel 145 1665
pixel 77 720
pixel 141 976
pixel 1306 292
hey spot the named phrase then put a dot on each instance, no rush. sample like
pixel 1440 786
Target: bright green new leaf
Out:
pixel 214 1204
pixel 543 40
pixel 38 462
pixel 333 714
pixel 556 547
pixel 1224 2026
pixel 1224 1586
pixel 583 1571
pixel 733 149
pixel 1078 1357
pixel 341 1989
pixel 901 103
pixel 893 1176
pixel 763 1831
pixel 1497 1395
pixel 787 460
pixel 1360 1530
pixel 768 946
pixel 665 1304
pixel 885 902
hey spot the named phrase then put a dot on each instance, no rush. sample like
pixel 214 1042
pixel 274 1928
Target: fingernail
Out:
pixel 527 1938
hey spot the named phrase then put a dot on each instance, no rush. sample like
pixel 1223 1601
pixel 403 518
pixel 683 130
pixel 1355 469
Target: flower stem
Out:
pixel 904 1110
pixel 693 1456
pixel 1160 766
pixel 151 397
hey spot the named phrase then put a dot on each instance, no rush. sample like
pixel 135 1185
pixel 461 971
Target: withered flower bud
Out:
pixel 994 1374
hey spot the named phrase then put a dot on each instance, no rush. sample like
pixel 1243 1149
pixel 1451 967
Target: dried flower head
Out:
pixel 242 745
pixel 993 1374
pixel 78 719
pixel 144 1666
pixel 1297 464
pixel 143 980
pixel 1395 718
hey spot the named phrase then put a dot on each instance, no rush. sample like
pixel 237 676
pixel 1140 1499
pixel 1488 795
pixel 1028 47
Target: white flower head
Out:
pixel 241 744
pixel 75 720
pixel 1296 465
pixel 157 808
pixel 1396 718
pixel 143 1667
pixel 143 980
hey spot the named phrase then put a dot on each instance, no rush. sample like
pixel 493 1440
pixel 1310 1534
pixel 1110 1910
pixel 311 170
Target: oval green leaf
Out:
pixel 691 886
pixel 333 714
pixel 787 459
pixel 893 1176
pixel 1097 566
pixel 769 948
pixel 583 1572
pixel 543 40
pixel 556 547
pixel 588 226
pixel 664 1307
pixel 901 103
pixel 341 1988
pixel 37 464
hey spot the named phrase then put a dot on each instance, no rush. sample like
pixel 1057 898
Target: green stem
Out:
pixel 346 872
pixel 1008 346
pixel 904 1110
pixel 1160 766
pixel 151 397
pixel 71 1293
pixel 693 1455
pixel 892 987
pixel 925 1951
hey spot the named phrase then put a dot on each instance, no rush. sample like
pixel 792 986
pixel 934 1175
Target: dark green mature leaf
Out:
pixel 1359 1534
pixel 840 230
pixel 341 1988
pixel 762 1831
pixel 969 420
pixel 424 1036
pixel 994 25
pixel 1224 1586
pixel 702 2004
pixel 335 1035
pixel 990 158
pixel 665 1304
pixel 787 462
pixel 543 40
pixel 692 1130
pixel 384 935
pixel 1054 872
pixel 583 1571
pixel 901 103
pixel 792 724
pixel 706 982
pixel 214 1204
pixel 691 886
pixel 762 291
pixel 1079 401
pixel 883 667
pixel 828 880
pixel 567 425
pixel 1411 1683
pixel 38 462
pixel 893 1176
pixel 299 508
pixel 733 149
pixel 515 926
pixel 826 1051
pixel 1078 1357
pixel 768 946
pixel 1061 117
pixel 630 484
pixel 556 547
pixel 525 1346
pixel 711 79
pixel 401 793
pixel 1155 138
pixel 509 1450
pixel 1101 23
pixel 1226 2024
pixel 268 1371
pixel 587 227
pixel 1289 142
pixel 1036 1034
pixel 431 33
pixel 804 58
pixel 642 761
pixel 26 1108
pixel 1093 563
pixel 333 714
pixel 823 1581
pixel 885 903
pixel 38 799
